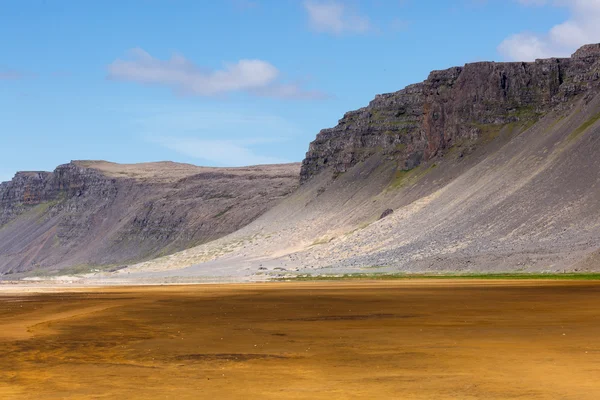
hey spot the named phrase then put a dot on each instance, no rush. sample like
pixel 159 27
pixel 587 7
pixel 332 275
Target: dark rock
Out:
pixel 386 213
pixel 419 122
pixel 587 51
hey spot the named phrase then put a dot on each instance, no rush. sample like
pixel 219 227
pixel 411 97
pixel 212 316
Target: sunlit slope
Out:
pixel 523 197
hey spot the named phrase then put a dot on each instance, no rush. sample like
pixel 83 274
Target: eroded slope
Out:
pixel 504 176
pixel 94 213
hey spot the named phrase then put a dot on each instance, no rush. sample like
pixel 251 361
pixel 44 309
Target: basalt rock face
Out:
pixel 423 120
pixel 26 189
pixel 96 213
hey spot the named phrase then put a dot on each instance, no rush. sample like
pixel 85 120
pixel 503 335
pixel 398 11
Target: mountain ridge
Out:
pixel 486 167
pixel 457 104
pixel 517 193
pixel 99 213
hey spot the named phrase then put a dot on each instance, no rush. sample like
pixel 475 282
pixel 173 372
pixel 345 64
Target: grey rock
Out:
pixel 386 213
pixel 423 120
pixel 92 213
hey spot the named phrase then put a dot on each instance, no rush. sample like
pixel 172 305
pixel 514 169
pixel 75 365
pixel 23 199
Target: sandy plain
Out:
pixel 305 340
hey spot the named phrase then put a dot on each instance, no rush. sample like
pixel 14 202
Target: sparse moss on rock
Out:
pixel 452 105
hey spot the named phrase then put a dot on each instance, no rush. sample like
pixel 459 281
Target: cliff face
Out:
pixel 461 103
pixel 26 189
pixel 98 213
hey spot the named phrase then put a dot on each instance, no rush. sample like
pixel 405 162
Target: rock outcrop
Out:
pixel 423 120
pixel 99 213
pixel 25 189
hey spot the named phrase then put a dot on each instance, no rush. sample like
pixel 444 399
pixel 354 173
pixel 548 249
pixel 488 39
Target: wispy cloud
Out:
pixel 335 18
pixel 222 138
pixel 233 153
pixel 152 120
pixel 256 77
pixel 561 40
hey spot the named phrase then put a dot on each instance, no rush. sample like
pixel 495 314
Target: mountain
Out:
pixel 93 213
pixel 450 108
pixel 486 167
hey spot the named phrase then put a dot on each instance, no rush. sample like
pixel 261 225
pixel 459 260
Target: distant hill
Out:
pixel 95 213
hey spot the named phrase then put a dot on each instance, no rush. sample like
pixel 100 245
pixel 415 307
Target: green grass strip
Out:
pixel 490 276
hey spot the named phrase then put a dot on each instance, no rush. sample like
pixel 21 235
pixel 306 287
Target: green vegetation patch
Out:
pixel 526 112
pixel 323 240
pixel 400 147
pixel 377 115
pixel 406 177
pixel 407 276
pixel 584 127
pixel 74 270
pixel 488 132
pixel 223 212
pixel 41 209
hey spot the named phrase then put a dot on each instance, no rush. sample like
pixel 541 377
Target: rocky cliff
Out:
pixel 487 167
pixel 423 120
pixel 490 167
pixel 93 213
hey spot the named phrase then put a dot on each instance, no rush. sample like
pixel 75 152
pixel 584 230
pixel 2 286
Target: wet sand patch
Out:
pixel 352 317
pixel 324 340
pixel 241 357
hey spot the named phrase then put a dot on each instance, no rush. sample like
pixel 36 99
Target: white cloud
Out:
pixel 232 153
pixel 333 17
pixel 525 47
pixel 184 77
pixel 561 40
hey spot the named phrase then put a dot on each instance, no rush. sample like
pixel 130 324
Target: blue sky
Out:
pixel 237 82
